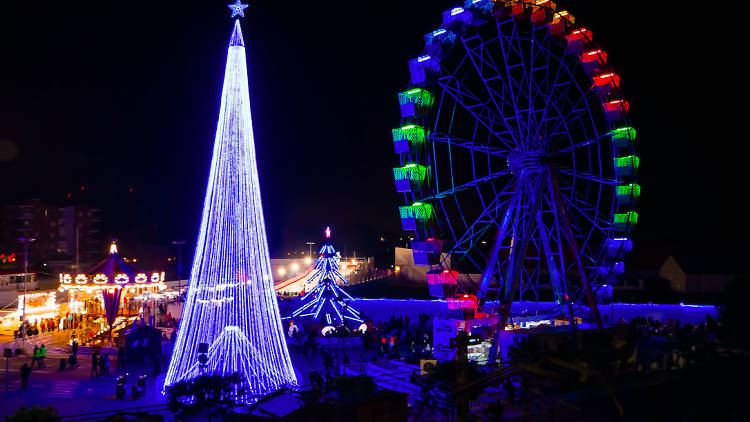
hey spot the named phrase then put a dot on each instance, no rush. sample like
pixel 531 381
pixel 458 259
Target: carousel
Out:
pixel 111 291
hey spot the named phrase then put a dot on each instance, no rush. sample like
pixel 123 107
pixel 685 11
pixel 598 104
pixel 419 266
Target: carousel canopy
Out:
pixel 112 272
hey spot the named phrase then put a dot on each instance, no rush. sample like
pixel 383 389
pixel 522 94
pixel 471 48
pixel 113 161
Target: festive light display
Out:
pixel 326 302
pixel 231 303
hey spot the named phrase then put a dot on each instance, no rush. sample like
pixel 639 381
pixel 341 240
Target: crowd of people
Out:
pixel 671 345
pixel 69 321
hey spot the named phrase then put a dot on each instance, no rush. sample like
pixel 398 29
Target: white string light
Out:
pixel 231 303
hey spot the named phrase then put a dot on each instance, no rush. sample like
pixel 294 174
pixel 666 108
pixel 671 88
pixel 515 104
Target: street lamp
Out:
pixel 179 244
pixel 310 245
pixel 25 240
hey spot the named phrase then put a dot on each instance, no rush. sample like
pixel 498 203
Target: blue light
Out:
pixel 238 8
pixel 438 32
pixel 455 11
pixel 421 59
pixel 327 295
pixel 231 303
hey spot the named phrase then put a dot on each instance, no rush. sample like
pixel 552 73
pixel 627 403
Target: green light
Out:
pixel 417 96
pixel 632 189
pixel 413 172
pixel 412 133
pixel 626 132
pixel 623 137
pixel 417 211
pixel 625 221
pixel 629 161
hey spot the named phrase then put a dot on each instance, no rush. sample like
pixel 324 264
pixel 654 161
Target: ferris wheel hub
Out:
pixel 530 161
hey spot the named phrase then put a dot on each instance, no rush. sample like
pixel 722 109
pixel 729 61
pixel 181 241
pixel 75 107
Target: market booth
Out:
pixel 113 289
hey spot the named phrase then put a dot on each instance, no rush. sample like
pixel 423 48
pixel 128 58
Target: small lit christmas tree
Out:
pixel 327 302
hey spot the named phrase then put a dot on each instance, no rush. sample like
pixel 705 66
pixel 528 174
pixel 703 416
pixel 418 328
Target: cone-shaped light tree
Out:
pixel 327 302
pixel 231 311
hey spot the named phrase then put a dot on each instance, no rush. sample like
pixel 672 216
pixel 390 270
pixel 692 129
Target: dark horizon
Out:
pixel 122 96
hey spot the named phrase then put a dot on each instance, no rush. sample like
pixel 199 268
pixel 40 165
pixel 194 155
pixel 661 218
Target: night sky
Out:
pixel 111 96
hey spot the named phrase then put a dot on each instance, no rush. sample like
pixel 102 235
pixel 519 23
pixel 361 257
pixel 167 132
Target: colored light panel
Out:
pixel 623 137
pixel 417 96
pixel 625 221
pixel 629 191
pixel 411 172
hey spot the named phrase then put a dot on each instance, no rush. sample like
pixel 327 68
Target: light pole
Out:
pixel 179 244
pixel 78 227
pixel 310 245
pixel 25 240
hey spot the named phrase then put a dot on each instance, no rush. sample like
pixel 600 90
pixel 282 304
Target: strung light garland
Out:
pixel 231 303
pixel 122 279
pixel 49 305
pixel 100 279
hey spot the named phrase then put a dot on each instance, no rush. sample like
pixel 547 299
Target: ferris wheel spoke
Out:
pixel 506 46
pixel 470 145
pixel 581 144
pixel 474 106
pixel 483 65
pixel 584 210
pixel 455 189
pixel 534 87
pixel 552 84
pixel 588 176
pixel 478 227
pixel 580 106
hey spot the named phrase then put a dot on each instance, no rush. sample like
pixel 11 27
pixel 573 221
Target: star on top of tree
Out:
pixel 238 8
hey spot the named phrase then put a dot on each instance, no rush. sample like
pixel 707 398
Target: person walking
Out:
pixel 94 365
pixel 34 356
pixel 74 347
pixel 25 371
pixel 42 355
pixel 104 365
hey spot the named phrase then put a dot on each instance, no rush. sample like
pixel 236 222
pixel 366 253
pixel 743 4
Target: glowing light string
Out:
pixel 325 299
pixel 231 303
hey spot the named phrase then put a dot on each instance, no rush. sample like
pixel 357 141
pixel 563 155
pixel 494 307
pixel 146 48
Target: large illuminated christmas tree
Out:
pixel 327 302
pixel 230 311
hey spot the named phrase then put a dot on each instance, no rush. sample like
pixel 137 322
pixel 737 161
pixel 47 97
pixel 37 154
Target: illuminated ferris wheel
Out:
pixel 517 158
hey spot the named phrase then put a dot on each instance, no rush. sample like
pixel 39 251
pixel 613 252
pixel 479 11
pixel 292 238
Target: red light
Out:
pixel 68 196
pixel 83 187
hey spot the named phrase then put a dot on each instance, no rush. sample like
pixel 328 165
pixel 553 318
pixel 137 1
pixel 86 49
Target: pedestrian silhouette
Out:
pixel 25 371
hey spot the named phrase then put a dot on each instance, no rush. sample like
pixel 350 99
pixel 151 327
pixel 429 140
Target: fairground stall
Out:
pixel 112 291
